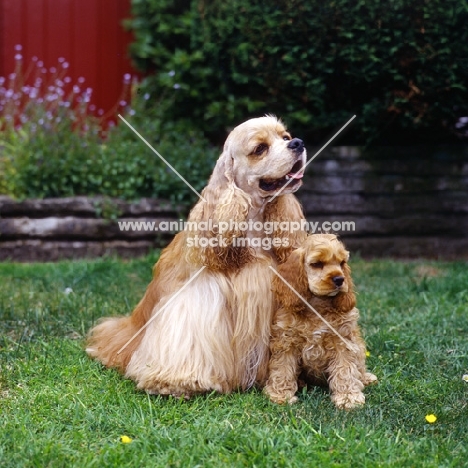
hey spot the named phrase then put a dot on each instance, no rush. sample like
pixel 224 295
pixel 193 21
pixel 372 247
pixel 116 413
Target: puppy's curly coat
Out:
pixel 301 341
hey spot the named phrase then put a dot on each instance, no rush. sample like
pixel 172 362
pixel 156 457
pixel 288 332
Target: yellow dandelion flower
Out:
pixel 465 377
pixel 431 418
pixel 125 439
pixel 367 353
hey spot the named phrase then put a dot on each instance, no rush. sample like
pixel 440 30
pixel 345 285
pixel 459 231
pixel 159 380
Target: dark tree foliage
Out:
pixel 400 65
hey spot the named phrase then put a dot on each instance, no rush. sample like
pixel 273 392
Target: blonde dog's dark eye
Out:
pixel 343 263
pixel 260 149
pixel 286 138
pixel 317 265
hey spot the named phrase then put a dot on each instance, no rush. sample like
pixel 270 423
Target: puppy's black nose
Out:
pixel 338 280
pixel 296 144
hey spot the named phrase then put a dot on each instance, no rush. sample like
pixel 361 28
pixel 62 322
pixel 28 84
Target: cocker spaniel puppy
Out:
pixel 204 322
pixel 323 347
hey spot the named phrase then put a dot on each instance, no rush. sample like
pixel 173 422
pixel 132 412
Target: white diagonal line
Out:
pixel 161 309
pixel 345 341
pixel 160 157
pixel 315 155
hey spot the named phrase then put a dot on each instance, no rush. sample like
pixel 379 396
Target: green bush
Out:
pixel 401 66
pixel 52 144
pixel 44 160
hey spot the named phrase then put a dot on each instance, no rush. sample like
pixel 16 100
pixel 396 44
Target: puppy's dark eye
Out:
pixel 317 265
pixel 286 138
pixel 343 263
pixel 260 149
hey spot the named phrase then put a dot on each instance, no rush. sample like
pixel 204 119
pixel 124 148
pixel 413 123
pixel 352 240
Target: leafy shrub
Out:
pixel 400 66
pixel 53 145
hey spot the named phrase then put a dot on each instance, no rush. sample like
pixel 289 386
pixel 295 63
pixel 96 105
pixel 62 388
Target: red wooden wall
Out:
pixel 87 33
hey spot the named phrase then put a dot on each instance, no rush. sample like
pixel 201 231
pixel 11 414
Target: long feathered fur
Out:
pixel 213 333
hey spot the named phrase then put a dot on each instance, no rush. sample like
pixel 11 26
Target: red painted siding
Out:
pixel 87 33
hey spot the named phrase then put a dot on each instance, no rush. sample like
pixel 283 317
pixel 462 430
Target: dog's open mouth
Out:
pixel 294 175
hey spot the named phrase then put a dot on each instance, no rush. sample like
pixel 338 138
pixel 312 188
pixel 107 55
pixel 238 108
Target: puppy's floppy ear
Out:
pixel 293 272
pixel 345 302
pixel 286 208
pixel 223 202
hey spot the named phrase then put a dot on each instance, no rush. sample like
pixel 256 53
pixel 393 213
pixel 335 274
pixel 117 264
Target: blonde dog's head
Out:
pixel 258 160
pixel 264 157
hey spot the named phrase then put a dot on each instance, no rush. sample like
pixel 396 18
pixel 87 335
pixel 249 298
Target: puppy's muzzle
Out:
pixel 338 280
pixel 296 145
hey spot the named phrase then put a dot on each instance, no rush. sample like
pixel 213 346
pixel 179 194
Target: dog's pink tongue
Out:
pixel 296 175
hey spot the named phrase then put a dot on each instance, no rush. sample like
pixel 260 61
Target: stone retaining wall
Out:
pixel 52 229
pixel 405 202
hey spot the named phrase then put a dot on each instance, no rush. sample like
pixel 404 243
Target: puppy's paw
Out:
pixel 348 401
pixel 369 379
pixel 281 398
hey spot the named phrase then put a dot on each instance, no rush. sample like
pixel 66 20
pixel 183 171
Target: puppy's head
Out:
pixel 325 264
pixel 265 157
pixel 319 267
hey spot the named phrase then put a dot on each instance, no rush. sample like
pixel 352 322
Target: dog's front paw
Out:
pixel 280 398
pixel 369 379
pixel 348 401
pixel 283 399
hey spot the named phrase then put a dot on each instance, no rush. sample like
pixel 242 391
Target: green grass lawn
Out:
pixel 58 408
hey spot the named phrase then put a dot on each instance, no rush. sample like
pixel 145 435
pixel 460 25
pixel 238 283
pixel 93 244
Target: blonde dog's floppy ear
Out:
pixel 286 209
pixel 293 272
pixel 223 204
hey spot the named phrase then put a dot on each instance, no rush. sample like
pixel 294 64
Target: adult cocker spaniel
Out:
pixel 204 321
pixel 323 348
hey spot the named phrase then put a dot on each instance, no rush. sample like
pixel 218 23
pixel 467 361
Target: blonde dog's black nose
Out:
pixel 338 280
pixel 296 145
